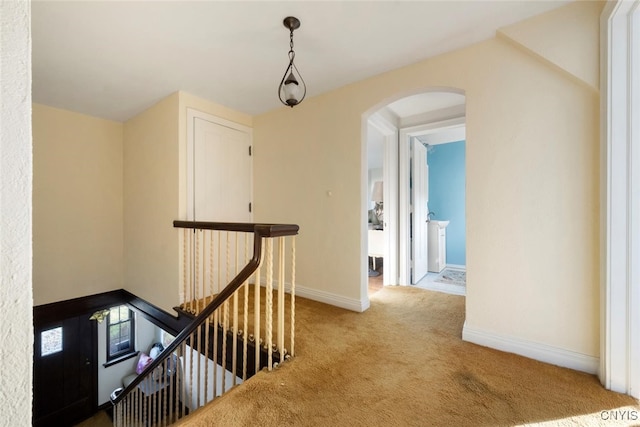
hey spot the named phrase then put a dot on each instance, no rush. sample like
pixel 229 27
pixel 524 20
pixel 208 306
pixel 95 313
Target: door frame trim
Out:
pixel 390 189
pixel 620 197
pixel 406 134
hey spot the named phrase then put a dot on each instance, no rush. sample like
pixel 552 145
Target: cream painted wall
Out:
pixel 307 171
pixel 155 194
pixel 151 204
pixel 532 186
pixel 16 305
pixel 103 189
pixel 77 205
pixel 564 37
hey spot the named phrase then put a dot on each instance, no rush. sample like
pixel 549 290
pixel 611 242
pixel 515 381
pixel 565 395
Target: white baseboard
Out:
pixel 326 297
pixel 533 350
pixel 332 299
pixel 458 266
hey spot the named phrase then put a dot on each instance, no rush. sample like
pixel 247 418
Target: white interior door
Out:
pixel 419 182
pixel 221 173
pixel 219 188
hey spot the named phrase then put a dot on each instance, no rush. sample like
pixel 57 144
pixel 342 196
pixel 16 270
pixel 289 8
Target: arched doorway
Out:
pixel 395 136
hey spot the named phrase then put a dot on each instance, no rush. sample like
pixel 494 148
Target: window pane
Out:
pixel 120 332
pixel 51 341
pixel 114 332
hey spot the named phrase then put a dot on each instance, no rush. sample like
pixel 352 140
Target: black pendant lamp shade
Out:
pixel 292 89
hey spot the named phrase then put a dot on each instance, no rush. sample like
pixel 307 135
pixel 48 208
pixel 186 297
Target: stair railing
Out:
pixel 213 352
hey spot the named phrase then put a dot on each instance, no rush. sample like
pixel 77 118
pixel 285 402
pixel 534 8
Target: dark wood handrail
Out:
pixel 260 231
pixel 264 230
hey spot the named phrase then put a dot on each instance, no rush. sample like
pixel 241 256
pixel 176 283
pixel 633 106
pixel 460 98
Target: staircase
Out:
pixel 241 298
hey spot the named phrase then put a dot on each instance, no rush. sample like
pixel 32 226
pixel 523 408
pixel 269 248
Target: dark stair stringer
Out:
pixel 251 349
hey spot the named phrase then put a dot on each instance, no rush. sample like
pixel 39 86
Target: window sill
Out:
pixel 121 359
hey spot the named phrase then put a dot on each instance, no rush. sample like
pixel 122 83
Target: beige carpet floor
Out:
pixel 402 362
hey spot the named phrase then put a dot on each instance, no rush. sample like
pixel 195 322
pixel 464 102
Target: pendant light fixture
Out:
pixel 292 89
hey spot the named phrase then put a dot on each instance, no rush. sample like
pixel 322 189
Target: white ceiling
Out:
pixel 425 102
pixel 113 59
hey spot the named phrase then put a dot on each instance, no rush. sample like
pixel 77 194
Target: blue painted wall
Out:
pixel 447 193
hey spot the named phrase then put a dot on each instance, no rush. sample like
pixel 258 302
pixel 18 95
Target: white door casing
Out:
pixel 390 271
pixel 419 199
pixel 620 197
pixel 390 191
pixel 404 160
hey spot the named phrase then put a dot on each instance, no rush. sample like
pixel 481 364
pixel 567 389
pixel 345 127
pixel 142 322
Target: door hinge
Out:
pixel 250 207
pixel 250 150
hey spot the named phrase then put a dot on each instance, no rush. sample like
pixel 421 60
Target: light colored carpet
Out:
pixel 402 362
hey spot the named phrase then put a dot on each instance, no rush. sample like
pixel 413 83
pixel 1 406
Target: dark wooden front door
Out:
pixel 65 371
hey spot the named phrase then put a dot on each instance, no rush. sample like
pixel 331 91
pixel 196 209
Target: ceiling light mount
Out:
pixel 291 22
pixel 292 89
